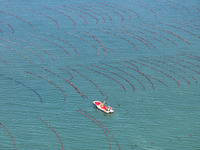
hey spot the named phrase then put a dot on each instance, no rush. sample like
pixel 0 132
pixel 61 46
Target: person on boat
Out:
pixel 103 105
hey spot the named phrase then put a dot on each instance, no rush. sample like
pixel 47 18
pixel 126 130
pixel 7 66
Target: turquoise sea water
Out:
pixel 155 96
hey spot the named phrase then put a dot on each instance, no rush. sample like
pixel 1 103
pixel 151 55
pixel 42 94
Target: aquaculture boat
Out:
pixel 102 107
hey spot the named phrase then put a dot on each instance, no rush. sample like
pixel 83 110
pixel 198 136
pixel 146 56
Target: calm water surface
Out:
pixel 155 96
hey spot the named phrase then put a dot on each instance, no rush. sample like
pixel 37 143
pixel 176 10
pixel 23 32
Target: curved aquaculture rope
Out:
pixel 53 44
pixel 116 75
pixel 118 9
pixel 84 13
pixel 147 34
pixel 128 9
pixel 16 52
pixel 192 5
pixel 145 8
pixel 18 18
pixel 4 62
pixel 84 40
pixel 96 40
pixel 166 69
pixel 22 84
pixel 119 37
pixel 186 22
pixel 180 5
pixel 190 56
pixel 68 73
pixel 157 80
pixel 158 71
pixel 73 12
pixel 108 9
pixel 24 48
pixel 125 73
pixel 35 46
pixel 169 32
pixel 138 72
pixel 52 130
pixel 92 12
pixel 87 79
pixel 131 35
pixel 97 124
pixel 165 3
pixel 175 68
pixel 48 81
pixel 194 56
pixel 104 75
pixel 8 25
pixel 112 49
pixel 183 24
pixel 180 64
pixel 44 16
pixel 62 13
pixel 66 81
pixel 180 29
pixel 183 54
pixel 64 42
pixel 102 126
pixel 9 134
pixel 155 33
pixel 98 10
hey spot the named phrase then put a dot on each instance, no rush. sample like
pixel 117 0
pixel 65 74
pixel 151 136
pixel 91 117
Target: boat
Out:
pixel 102 107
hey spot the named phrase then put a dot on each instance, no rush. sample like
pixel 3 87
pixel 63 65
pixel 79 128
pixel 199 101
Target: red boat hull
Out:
pixel 103 108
